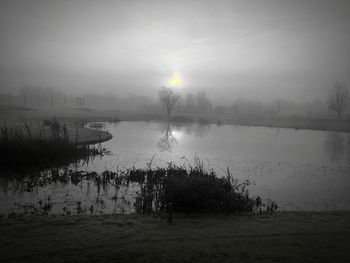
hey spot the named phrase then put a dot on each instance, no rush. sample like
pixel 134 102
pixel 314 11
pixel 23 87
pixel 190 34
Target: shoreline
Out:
pixel 298 124
pixel 313 125
pixel 76 119
pixel 93 136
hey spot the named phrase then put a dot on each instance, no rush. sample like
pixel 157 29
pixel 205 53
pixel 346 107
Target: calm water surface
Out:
pixel 299 169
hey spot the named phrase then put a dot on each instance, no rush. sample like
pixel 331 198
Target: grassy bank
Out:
pixel 297 123
pixel 46 143
pixel 283 237
pixel 76 132
pixel 80 116
pixel 74 120
pixel 293 123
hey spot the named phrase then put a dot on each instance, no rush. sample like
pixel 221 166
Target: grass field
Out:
pixel 283 237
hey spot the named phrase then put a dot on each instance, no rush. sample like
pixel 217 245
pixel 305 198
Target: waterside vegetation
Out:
pixel 43 144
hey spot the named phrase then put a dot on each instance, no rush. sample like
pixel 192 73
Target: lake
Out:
pixel 299 169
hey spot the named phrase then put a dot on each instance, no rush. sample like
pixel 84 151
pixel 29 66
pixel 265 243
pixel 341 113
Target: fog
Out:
pixel 174 130
pixel 262 50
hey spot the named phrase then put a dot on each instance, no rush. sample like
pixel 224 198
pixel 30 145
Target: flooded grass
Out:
pixel 152 190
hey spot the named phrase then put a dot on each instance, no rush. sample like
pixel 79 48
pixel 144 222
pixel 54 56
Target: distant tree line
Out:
pixel 198 103
pixel 40 97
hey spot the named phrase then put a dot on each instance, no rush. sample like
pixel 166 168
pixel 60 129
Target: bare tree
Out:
pixel 80 101
pixel 167 96
pixel 337 98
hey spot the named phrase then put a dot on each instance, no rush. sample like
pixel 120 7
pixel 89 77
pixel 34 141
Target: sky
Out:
pixel 259 50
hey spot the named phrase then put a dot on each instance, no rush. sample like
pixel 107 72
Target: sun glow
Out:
pixel 175 81
pixel 177 134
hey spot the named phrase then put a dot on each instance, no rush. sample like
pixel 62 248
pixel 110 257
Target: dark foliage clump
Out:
pixel 190 191
pixel 199 191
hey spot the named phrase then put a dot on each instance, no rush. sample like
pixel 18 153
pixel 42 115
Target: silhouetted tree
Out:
pixel 80 101
pixel 279 107
pixel 203 103
pixel 190 106
pixel 167 96
pixel 36 95
pixel 337 98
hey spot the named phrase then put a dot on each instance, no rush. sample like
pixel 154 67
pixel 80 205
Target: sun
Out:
pixel 177 134
pixel 176 80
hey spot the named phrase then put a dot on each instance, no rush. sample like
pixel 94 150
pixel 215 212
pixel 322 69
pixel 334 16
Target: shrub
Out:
pixel 193 191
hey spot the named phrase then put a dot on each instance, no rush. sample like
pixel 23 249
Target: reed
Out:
pixel 22 147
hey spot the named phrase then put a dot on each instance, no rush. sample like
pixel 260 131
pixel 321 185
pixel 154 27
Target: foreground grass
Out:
pixel 284 237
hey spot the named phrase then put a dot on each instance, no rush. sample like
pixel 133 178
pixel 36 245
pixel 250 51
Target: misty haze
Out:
pixel 181 131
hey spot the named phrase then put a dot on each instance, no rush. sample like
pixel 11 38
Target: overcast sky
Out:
pixel 252 49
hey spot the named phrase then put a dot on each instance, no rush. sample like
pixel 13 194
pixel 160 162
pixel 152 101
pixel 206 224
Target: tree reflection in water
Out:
pixel 171 132
pixel 335 146
pixel 167 140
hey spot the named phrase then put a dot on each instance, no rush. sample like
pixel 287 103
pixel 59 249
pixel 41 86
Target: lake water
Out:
pixel 299 169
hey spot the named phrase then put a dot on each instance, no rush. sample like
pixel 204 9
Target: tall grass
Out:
pixel 28 146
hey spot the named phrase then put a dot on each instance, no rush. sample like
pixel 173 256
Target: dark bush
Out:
pixel 199 191
pixel 193 191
